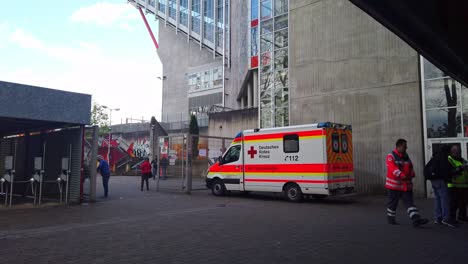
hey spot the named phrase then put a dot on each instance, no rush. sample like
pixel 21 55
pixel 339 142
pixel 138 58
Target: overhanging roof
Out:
pixel 25 107
pixel 437 29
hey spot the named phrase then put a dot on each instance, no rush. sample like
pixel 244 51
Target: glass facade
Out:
pixel 208 23
pixel 205 80
pixel 183 15
pixel 205 89
pixel 253 37
pixel 196 16
pixel 205 17
pixel 162 6
pixel 273 64
pixel 446 103
pixel 172 9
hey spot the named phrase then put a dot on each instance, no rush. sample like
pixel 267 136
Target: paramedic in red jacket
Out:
pixel 145 173
pixel 398 183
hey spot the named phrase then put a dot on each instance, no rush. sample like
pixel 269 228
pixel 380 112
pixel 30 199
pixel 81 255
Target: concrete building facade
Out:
pixel 307 61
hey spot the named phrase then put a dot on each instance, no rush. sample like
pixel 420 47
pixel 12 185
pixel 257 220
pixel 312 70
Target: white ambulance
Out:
pixel 315 159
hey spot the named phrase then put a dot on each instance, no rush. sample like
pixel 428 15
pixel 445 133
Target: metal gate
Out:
pixel 183 160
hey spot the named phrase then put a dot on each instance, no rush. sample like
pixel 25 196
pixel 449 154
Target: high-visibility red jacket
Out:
pixel 145 167
pixel 399 172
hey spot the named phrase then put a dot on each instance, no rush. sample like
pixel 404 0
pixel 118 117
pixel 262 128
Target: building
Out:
pixel 42 132
pixel 308 61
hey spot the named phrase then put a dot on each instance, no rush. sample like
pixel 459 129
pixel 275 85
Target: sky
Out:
pixel 95 47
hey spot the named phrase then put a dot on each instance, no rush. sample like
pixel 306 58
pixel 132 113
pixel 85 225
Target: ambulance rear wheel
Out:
pixel 218 188
pixel 293 192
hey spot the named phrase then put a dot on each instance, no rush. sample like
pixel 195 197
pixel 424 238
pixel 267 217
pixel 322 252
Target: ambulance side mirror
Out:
pixel 220 160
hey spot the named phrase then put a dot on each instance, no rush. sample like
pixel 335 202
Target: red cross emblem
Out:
pixel 252 152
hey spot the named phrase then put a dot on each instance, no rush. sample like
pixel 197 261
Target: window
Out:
pixel 344 143
pixel 183 12
pixel 162 6
pixel 172 9
pixel 281 7
pixel 196 16
pixel 291 143
pixel 336 142
pixel 266 10
pixel 232 154
pixel 254 9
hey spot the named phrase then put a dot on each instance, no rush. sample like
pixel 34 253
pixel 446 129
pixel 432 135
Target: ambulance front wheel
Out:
pixel 293 192
pixel 218 188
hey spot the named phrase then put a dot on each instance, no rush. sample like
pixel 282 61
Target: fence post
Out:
pixel 92 164
pixel 188 167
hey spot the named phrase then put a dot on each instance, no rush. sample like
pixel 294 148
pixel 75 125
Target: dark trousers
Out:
pixel 458 202
pixel 164 172
pixel 144 178
pixel 407 198
pixel 105 184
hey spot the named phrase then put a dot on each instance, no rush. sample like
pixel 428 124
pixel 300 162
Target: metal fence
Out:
pixel 184 159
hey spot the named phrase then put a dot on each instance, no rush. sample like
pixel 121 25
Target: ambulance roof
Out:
pixel 299 127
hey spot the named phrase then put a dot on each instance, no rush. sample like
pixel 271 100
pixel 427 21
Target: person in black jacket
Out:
pixel 441 175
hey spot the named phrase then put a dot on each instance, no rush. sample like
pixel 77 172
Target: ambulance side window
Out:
pixel 291 143
pixel 232 154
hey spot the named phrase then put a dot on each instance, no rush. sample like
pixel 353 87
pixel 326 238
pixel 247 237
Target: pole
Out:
pixel 108 145
pixel 92 164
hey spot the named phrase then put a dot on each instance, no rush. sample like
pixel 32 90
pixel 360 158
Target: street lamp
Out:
pixel 110 124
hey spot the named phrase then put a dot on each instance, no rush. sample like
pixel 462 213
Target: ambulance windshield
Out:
pixel 232 154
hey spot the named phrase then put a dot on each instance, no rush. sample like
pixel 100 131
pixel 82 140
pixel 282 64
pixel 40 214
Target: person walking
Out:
pixel 145 173
pixel 458 185
pixel 439 177
pixel 103 169
pixel 164 163
pixel 399 184
pixel 154 169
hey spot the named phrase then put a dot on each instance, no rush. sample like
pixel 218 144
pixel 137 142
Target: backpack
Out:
pixel 429 170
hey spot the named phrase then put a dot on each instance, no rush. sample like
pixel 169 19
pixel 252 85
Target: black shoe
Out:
pixel 420 222
pixel 463 219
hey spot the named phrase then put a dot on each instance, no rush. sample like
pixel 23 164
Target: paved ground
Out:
pixel 149 227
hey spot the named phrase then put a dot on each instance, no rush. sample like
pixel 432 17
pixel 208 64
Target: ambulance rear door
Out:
pixel 340 160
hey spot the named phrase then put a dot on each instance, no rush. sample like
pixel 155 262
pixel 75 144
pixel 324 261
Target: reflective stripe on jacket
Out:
pixel 399 172
pixel 460 180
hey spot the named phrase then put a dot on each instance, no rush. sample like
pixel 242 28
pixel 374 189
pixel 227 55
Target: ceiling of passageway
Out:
pixel 10 126
pixel 438 29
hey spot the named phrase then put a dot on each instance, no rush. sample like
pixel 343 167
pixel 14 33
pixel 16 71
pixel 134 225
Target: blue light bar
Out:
pixel 323 124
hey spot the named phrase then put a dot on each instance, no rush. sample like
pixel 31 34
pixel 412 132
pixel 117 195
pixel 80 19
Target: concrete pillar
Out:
pixel 249 95
pixel 255 88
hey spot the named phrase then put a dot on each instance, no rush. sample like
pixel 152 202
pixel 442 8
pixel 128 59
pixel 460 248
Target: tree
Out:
pixel 100 118
pixel 193 130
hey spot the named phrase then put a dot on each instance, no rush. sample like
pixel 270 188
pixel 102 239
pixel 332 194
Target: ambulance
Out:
pixel 314 160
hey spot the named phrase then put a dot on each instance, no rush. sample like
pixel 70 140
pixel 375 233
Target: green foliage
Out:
pixel 100 118
pixel 194 130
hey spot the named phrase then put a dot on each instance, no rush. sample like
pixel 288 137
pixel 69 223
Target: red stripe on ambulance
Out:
pixel 300 181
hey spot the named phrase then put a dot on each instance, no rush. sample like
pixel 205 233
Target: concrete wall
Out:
pixel 239 52
pixel 347 68
pixel 179 57
pixel 228 124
